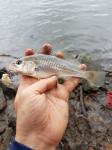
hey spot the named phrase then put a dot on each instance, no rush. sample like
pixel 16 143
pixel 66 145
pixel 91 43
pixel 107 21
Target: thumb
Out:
pixel 44 85
pixel 27 81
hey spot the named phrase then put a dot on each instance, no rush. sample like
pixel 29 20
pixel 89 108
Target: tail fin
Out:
pixel 95 78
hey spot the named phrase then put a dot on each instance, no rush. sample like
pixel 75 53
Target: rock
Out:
pixel 94 129
pixel 3 102
pixel 9 92
pixel 7 136
pixel 2 129
pixel 7 122
pixel 10 112
pixel 2 71
pixel 5 60
pixel 72 95
pixel 87 88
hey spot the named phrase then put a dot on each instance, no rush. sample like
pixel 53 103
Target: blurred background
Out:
pixel 70 25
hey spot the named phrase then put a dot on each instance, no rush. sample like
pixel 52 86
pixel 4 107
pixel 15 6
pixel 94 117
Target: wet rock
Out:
pixel 3 102
pixel 87 88
pixel 7 114
pixel 2 71
pixel 2 130
pixel 9 91
pixel 72 95
pixel 5 60
pixel 7 130
pixel 10 112
pixel 7 136
pixel 3 120
pixel 93 129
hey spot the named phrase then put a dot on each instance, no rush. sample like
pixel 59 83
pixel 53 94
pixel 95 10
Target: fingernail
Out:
pixel 60 54
pixel 83 66
pixel 46 49
pixel 29 52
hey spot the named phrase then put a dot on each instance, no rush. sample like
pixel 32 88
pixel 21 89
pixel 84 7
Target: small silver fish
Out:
pixel 44 66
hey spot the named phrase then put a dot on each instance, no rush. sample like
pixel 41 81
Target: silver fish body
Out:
pixel 43 66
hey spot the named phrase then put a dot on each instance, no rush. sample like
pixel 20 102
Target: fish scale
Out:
pixel 54 64
pixel 49 63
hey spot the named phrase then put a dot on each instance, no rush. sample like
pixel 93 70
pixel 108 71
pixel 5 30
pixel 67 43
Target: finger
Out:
pixel 46 49
pixel 44 85
pixel 72 83
pixel 60 54
pixel 26 81
pixel 29 52
pixel 83 67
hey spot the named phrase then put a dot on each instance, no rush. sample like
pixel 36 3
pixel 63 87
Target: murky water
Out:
pixel 81 25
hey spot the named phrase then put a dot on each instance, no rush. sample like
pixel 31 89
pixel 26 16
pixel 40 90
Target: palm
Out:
pixel 49 112
pixel 55 117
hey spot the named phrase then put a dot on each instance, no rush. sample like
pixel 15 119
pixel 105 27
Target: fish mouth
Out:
pixel 13 70
pixel 12 73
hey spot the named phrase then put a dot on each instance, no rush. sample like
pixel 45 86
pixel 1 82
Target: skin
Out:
pixel 42 108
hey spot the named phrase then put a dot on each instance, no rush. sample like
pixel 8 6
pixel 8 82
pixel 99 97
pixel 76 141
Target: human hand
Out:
pixel 42 109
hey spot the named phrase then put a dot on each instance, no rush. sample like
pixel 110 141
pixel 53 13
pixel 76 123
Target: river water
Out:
pixel 70 25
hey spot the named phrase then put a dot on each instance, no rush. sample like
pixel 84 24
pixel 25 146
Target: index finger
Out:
pixel 29 51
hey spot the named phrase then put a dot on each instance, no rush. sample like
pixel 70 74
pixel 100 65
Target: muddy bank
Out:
pixel 90 120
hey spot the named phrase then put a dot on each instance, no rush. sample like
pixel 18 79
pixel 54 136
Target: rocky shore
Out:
pixel 7 114
pixel 90 121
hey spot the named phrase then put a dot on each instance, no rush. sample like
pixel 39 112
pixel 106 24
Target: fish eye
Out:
pixel 19 62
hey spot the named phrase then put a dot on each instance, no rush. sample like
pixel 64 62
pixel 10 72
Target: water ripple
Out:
pixel 83 25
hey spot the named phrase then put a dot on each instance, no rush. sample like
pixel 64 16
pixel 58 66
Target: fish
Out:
pixel 43 66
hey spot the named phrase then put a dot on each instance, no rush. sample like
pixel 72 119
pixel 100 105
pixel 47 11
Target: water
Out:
pixel 80 25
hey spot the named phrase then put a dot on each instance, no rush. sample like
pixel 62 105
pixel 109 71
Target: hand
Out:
pixel 42 109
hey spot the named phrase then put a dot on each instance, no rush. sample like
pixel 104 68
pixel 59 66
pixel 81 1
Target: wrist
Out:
pixel 33 142
pixel 16 146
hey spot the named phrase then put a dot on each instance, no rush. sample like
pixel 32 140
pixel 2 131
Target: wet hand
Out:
pixel 42 108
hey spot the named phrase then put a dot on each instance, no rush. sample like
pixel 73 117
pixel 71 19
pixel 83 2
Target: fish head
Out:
pixel 22 66
pixel 17 65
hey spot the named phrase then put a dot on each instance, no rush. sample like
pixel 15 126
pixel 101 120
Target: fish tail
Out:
pixel 95 78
